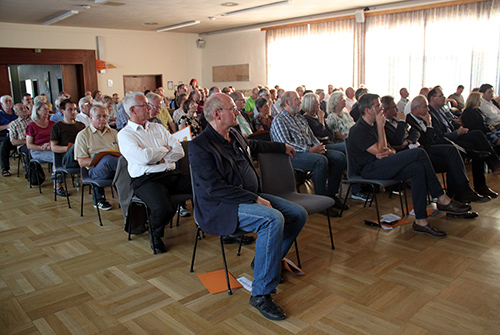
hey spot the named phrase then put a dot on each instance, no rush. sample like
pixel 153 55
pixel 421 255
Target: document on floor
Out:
pixel 215 281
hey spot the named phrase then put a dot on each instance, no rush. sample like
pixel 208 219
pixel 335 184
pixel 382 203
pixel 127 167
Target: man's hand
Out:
pixel 400 116
pixel 289 150
pixel 318 149
pixel 427 119
pixel 380 118
pixel 462 130
pixel 263 202
pixel 386 153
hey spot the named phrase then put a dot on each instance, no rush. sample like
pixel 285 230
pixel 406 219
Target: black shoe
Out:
pixel 229 239
pixel 62 192
pixel 267 307
pixel 339 204
pixel 159 246
pixel 475 154
pixel 472 196
pixel 468 215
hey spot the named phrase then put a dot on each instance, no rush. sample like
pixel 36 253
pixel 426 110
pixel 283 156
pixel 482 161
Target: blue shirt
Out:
pixel 293 130
pixel 6 119
pixel 58 116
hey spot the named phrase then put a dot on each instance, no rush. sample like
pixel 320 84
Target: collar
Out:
pixel 136 126
pixel 94 129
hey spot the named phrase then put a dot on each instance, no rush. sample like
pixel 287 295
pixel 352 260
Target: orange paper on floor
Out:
pixel 215 281
pixel 290 266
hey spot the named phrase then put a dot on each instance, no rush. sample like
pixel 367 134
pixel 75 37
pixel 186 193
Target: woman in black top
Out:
pixel 473 119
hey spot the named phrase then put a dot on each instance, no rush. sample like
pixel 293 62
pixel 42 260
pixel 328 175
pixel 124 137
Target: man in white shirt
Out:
pixel 151 152
pixel 349 100
pixel 489 110
pixel 85 104
pixel 403 101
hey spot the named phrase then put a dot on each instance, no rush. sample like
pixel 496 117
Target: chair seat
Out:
pixel 381 182
pixel 312 203
pixel 176 198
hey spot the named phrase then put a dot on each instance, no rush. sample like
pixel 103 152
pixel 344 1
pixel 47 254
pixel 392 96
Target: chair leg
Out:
pixel 194 248
pixel 330 228
pixel 66 188
pixel 150 230
pixel 406 201
pixel 239 247
pixel 345 200
pixel 81 209
pixel 376 206
pixel 225 266
pixel 55 183
pixel 178 214
pixel 298 256
pixel 401 199
pixel 97 207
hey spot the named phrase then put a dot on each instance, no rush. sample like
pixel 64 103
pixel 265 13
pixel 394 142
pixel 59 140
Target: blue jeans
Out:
pixel 276 228
pixel 325 167
pixel 105 169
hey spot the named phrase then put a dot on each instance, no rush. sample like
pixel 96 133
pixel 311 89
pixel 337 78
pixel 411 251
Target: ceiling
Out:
pixel 134 14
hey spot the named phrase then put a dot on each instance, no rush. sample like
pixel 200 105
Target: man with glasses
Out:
pixel 161 114
pixel 474 142
pixel 228 198
pixel 151 152
pixel 98 137
pixel 85 104
pixel 372 157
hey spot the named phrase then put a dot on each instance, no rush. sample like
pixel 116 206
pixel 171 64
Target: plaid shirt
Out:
pixel 17 129
pixel 293 130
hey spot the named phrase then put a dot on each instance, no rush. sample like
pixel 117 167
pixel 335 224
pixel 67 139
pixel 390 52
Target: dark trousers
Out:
pixel 411 164
pixel 155 189
pixel 475 140
pixel 5 148
pixel 446 158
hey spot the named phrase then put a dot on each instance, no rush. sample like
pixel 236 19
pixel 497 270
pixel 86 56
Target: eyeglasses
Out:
pixel 153 106
pixel 100 116
pixel 145 105
pixel 232 109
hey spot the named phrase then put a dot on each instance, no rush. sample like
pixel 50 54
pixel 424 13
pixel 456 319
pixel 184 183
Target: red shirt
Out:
pixel 40 135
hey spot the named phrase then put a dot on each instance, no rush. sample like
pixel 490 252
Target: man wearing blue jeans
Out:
pixel 326 163
pixel 227 197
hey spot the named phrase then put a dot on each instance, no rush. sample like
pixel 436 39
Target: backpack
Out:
pixel 36 175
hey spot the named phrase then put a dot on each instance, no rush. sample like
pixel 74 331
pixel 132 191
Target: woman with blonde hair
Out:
pixel 473 119
pixel 339 120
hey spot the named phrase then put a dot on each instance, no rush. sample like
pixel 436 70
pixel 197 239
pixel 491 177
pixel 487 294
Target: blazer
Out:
pixel 217 183
pixel 473 119
pixel 440 127
pixel 396 136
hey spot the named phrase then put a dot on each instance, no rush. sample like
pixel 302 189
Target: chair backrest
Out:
pixel 276 173
pixel 194 196
pixel 183 163
pixel 58 157
pixel 350 172
pixel 123 185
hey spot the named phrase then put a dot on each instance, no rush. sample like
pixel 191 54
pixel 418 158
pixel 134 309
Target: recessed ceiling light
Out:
pixel 229 4
pixel 150 23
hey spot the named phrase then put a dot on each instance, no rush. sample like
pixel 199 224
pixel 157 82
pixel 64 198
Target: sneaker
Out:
pixel 183 211
pixel 104 205
pixel 361 196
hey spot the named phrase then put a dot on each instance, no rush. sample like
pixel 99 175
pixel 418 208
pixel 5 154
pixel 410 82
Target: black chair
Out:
pixel 60 170
pixel 87 180
pixel 357 179
pixel 182 166
pixel 277 178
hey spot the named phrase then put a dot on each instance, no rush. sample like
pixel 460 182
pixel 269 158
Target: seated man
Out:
pixel 98 137
pixel 7 115
pixel 64 132
pixel 17 128
pixel 161 114
pixel 372 158
pixel 151 152
pixel 326 163
pixel 228 198
pixel 85 104
pixel 444 157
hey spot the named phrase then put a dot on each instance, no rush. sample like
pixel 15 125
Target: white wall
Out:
pixel 247 47
pixel 173 55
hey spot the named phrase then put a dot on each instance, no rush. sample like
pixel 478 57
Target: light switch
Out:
pixel 110 83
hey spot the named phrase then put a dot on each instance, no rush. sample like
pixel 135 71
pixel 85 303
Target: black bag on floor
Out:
pixel 35 173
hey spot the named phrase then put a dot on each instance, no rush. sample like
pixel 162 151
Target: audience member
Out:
pixel 162 114
pixel 17 128
pixel 355 114
pixel 349 100
pixel 457 96
pixel 488 108
pixel 403 101
pixel 473 119
pixel 85 104
pixel 7 115
pixel 263 119
pixel 338 120
pixel 27 100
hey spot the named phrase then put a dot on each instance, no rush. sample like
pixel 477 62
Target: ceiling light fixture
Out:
pixel 61 17
pixel 177 26
pixel 101 1
pixel 246 10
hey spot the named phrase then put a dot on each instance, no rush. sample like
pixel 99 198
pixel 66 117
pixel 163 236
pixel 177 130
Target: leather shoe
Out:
pixel 339 204
pixel 428 230
pixel 475 154
pixel 159 246
pixel 472 196
pixel 486 191
pixel 468 215
pixel 454 207
pixel 267 307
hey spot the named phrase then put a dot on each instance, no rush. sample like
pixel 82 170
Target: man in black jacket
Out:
pixel 227 197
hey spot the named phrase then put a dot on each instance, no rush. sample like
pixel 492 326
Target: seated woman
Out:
pixel 316 119
pixel 473 119
pixel 38 138
pixel 189 118
pixel 107 101
pixel 339 120
pixel 263 120
pixel 179 100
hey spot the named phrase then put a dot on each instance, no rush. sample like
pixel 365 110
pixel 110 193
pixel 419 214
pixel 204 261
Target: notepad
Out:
pixel 215 281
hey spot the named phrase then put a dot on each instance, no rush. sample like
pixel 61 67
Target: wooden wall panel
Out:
pixel 230 73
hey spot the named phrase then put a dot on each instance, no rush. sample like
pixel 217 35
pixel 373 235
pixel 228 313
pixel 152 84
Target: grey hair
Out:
pixel 4 98
pixel 308 102
pixel 286 97
pixel 418 101
pixel 151 96
pixel 333 101
pixel 96 108
pixel 130 100
pixel 36 106
pixel 83 101
pixel 213 102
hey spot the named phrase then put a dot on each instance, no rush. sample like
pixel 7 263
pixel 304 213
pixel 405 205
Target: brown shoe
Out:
pixel 486 191
pixel 454 207
pixel 428 230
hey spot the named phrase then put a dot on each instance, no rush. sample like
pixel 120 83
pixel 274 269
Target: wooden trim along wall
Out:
pixel 17 56
pixel 367 14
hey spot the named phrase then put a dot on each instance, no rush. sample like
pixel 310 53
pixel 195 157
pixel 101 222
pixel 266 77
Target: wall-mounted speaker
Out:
pixel 360 15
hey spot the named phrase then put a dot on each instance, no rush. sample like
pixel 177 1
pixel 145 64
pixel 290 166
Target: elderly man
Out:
pixel 403 101
pixel 64 132
pixel 250 103
pixel 349 100
pixel 7 115
pixel 17 128
pixel 372 158
pixel 444 157
pixel 487 107
pixel 85 104
pixel 98 137
pixel 151 152
pixel 326 164
pixel 162 114
pixel 228 198
pixel 276 107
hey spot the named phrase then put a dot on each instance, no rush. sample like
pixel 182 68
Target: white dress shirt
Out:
pixel 491 112
pixel 83 118
pixel 145 147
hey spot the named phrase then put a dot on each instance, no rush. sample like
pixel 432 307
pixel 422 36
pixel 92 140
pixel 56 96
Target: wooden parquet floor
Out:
pixel 64 274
